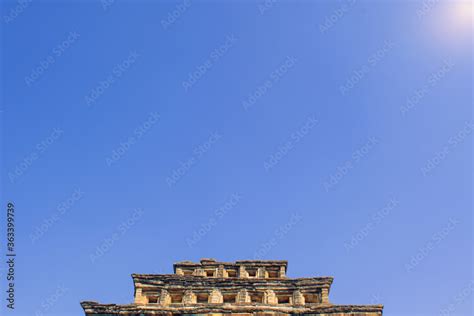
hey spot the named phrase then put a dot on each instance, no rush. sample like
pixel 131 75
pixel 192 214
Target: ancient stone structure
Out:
pixel 245 288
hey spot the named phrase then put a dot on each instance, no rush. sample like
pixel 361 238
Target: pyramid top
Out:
pixel 210 267
pixel 245 287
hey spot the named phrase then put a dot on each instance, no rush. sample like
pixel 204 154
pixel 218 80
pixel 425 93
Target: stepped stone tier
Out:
pixel 244 288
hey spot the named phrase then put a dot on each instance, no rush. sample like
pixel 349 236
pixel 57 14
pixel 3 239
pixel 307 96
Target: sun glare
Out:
pixel 451 22
pixel 462 12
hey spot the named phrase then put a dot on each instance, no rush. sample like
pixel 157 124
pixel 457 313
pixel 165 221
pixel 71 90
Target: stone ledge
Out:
pixel 246 263
pixel 185 280
pixel 210 261
pixel 150 309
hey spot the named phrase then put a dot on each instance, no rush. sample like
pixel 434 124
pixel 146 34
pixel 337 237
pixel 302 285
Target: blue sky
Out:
pixel 334 134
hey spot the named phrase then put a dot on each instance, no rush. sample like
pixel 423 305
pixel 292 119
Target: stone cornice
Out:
pixel 236 264
pixel 150 309
pixel 178 281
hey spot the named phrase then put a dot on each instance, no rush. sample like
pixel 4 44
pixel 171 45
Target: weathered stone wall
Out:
pixel 240 269
pixel 251 309
pixel 243 288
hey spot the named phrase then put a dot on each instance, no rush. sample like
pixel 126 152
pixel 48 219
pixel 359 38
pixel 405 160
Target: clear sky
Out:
pixel 336 135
